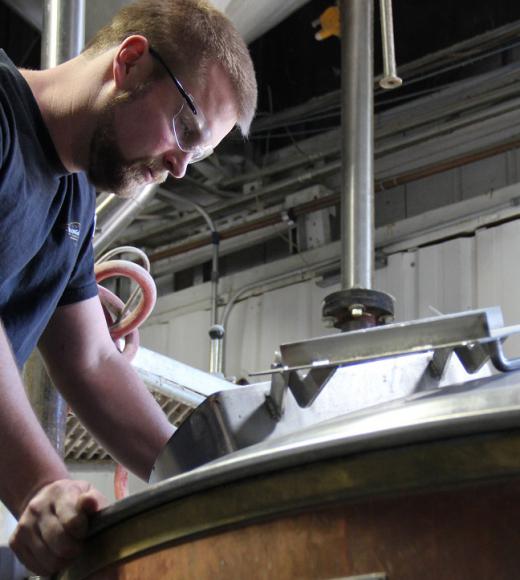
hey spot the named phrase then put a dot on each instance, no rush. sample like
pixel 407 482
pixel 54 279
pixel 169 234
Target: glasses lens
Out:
pixel 200 154
pixel 191 131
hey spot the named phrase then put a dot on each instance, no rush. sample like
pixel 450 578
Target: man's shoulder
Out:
pixel 11 84
pixel 12 103
pixel 84 198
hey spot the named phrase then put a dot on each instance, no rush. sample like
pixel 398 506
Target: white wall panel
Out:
pixel 446 277
pixel 183 337
pixel 399 279
pixel 499 274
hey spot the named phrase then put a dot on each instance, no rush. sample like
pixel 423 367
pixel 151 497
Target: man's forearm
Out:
pixel 113 403
pixel 25 452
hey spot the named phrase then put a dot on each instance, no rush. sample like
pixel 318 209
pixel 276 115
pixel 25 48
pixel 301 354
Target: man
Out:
pixel 157 89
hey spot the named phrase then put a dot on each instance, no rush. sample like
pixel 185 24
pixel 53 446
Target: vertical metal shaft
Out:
pixel 357 198
pixel 63 34
pixel 62 38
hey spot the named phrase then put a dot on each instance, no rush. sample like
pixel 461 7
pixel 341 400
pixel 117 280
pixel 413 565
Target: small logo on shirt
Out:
pixel 73 230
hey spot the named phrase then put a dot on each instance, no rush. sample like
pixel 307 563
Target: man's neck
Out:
pixel 69 97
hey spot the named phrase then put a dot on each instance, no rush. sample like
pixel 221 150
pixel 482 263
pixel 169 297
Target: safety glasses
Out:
pixel 190 127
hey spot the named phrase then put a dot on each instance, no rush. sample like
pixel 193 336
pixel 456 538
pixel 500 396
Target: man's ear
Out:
pixel 132 62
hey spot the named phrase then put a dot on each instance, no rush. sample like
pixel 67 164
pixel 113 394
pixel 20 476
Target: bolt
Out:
pixel 328 322
pixel 356 310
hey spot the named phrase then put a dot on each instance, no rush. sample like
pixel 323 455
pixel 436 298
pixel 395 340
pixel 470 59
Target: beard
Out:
pixel 108 170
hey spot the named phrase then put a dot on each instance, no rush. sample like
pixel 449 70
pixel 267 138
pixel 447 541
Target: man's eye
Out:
pixel 190 134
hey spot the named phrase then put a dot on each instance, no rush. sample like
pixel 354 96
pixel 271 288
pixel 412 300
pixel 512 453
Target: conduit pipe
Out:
pixel 215 331
pixel 488 111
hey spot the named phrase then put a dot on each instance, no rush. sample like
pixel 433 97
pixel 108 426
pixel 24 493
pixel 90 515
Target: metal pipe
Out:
pixel 214 334
pixel 390 79
pixel 216 242
pixel 357 199
pixel 62 38
pixel 115 213
pixel 63 34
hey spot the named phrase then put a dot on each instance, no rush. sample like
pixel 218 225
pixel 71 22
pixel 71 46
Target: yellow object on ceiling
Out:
pixel 329 22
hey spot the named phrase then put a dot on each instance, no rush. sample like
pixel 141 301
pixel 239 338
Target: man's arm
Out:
pixel 52 510
pixel 102 387
pixel 25 452
pixel 111 401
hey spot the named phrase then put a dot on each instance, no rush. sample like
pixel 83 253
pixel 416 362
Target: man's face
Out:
pixel 109 170
pixel 134 143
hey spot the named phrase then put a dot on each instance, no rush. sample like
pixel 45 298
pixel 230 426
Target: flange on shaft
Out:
pixel 358 308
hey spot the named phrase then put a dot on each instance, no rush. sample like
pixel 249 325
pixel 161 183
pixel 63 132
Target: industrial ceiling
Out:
pixel 295 141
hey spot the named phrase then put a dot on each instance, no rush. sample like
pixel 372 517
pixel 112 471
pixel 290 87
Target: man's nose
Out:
pixel 176 162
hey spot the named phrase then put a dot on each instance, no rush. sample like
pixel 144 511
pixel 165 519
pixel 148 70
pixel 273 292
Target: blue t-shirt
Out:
pixel 46 220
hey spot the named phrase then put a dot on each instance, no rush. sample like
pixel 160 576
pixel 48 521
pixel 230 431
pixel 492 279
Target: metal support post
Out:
pixel 357 305
pixel 357 200
pixel 63 34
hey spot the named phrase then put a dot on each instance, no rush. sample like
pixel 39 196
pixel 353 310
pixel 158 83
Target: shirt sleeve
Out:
pixel 4 131
pixel 82 283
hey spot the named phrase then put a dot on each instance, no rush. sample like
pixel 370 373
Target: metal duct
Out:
pixel 114 213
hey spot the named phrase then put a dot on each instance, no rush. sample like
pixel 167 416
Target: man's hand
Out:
pixel 54 523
